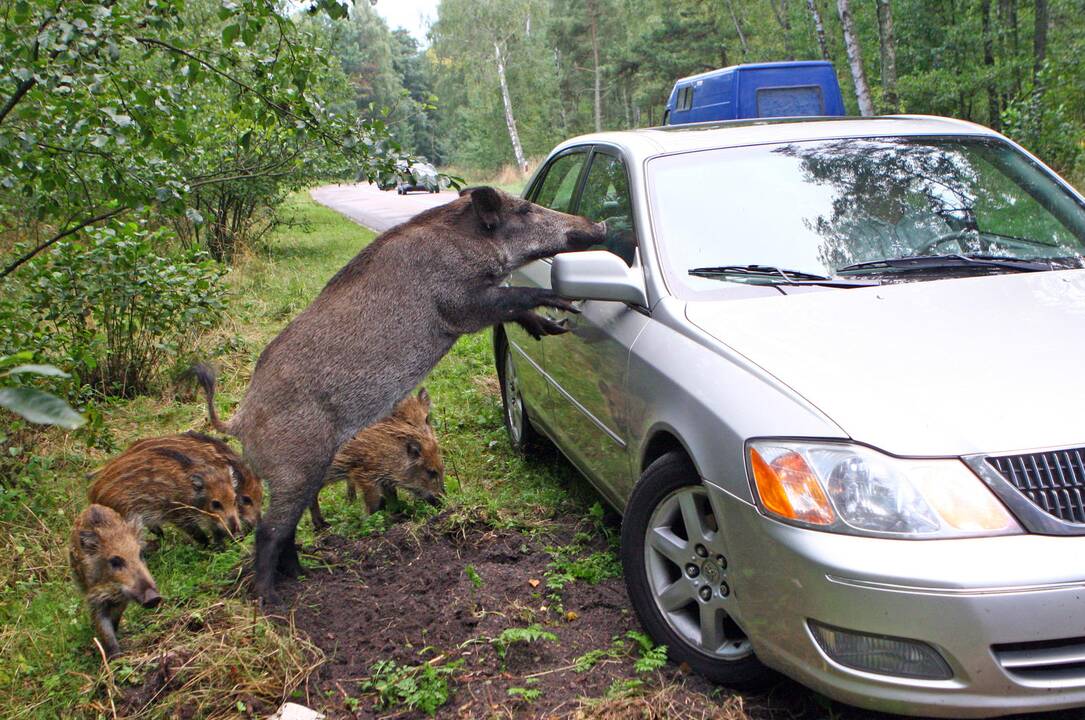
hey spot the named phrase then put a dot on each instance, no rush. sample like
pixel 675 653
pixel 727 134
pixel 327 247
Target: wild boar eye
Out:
pixel 216 505
pixel 116 562
pixel 246 500
pixel 433 474
pixel 523 209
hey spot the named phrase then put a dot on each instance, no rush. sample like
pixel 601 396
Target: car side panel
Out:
pixel 710 399
pixel 588 368
pixel 528 353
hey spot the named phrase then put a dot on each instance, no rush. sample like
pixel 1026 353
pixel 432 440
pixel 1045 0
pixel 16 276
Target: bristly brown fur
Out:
pixel 400 451
pixel 171 479
pixel 105 554
pixel 374 332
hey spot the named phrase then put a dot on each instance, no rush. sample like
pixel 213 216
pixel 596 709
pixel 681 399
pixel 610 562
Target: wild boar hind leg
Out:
pixel 293 489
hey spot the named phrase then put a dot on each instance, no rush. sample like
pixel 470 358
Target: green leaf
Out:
pixel 40 407
pixel 230 33
pixel 45 370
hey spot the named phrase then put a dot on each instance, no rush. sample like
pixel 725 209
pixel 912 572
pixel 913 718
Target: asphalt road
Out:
pixel 375 209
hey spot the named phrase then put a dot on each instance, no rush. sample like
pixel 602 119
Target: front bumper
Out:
pixel 962 597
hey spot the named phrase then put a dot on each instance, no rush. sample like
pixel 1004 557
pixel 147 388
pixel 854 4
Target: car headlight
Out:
pixel 854 489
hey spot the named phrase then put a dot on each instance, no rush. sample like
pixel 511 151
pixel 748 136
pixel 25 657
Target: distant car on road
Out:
pixel 422 177
pixel 831 373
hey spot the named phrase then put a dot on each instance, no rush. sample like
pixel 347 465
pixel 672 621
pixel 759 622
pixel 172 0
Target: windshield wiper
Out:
pixel 771 274
pixel 922 263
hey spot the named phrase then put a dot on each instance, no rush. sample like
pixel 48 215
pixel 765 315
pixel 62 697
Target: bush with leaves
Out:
pixel 116 311
pixel 109 107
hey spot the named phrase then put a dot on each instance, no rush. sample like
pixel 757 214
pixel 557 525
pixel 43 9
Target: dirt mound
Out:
pixel 445 599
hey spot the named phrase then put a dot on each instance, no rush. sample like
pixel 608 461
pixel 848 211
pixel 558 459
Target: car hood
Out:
pixel 943 367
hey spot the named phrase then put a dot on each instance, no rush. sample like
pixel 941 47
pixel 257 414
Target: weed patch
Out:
pixel 423 687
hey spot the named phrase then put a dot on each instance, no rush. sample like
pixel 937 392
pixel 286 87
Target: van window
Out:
pixel 606 197
pixel 685 98
pixel 559 184
pixel 804 100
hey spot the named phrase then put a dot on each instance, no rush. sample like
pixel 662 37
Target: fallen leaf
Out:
pixel 570 616
pixel 533 583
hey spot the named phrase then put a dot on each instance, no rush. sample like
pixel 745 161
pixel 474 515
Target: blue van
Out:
pixel 760 90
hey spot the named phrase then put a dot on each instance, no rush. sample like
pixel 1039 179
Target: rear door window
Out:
pixel 558 187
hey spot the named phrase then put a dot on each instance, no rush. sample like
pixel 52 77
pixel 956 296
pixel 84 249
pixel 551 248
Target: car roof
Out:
pixel 646 142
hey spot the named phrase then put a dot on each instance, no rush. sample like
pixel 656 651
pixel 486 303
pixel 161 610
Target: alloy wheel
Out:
pixel 687 571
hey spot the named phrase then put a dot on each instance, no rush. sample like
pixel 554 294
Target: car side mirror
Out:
pixel 597 275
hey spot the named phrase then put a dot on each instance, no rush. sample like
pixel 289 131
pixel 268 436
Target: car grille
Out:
pixel 1054 481
pixel 1053 660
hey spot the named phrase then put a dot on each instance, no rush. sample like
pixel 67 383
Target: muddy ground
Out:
pixel 406 595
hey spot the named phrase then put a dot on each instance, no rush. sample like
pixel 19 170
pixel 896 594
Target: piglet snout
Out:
pixel 151 599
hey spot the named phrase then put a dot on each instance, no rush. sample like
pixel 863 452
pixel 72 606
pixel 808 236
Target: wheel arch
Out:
pixel 662 440
pixel 499 342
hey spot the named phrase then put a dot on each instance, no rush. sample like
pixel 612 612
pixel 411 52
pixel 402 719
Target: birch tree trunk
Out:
pixel 1039 39
pixel 889 56
pixel 738 29
pixel 510 121
pixel 595 67
pixel 782 17
pixel 855 59
pixel 993 109
pixel 819 29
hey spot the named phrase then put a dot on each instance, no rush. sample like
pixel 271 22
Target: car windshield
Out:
pixel 827 207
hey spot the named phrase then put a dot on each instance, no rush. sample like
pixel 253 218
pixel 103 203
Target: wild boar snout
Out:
pixel 150 599
pixel 582 238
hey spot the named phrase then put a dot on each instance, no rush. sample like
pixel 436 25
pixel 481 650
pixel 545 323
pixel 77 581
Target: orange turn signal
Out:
pixel 789 488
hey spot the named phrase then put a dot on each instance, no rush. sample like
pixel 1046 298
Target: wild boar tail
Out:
pixel 205 376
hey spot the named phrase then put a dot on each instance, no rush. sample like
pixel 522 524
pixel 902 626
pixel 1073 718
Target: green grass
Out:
pixel 48 664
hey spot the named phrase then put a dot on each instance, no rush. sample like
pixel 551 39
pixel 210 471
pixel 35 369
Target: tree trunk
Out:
pixel 598 104
pixel 738 29
pixel 1039 39
pixel 785 25
pixel 855 59
pixel 993 110
pixel 819 29
pixel 889 56
pixel 510 121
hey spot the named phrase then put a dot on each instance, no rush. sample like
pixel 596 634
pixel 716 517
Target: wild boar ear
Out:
pixel 197 482
pixel 414 449
pixel 487 205
pixel 235 475
pixel 89 541
pixel 136 523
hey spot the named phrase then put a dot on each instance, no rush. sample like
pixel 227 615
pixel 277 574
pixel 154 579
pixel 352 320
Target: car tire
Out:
pixel 677 582
pixel 523 437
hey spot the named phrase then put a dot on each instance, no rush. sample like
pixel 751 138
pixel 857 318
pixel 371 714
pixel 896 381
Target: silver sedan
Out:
pixel 830 372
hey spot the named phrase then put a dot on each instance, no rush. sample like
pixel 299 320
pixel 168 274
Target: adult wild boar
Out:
pixel 374 332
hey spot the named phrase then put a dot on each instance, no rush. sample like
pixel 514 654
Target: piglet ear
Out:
pixel 423 397
pixel 413 448
pixel 89 541
pixel 487 204
pixel 136 523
